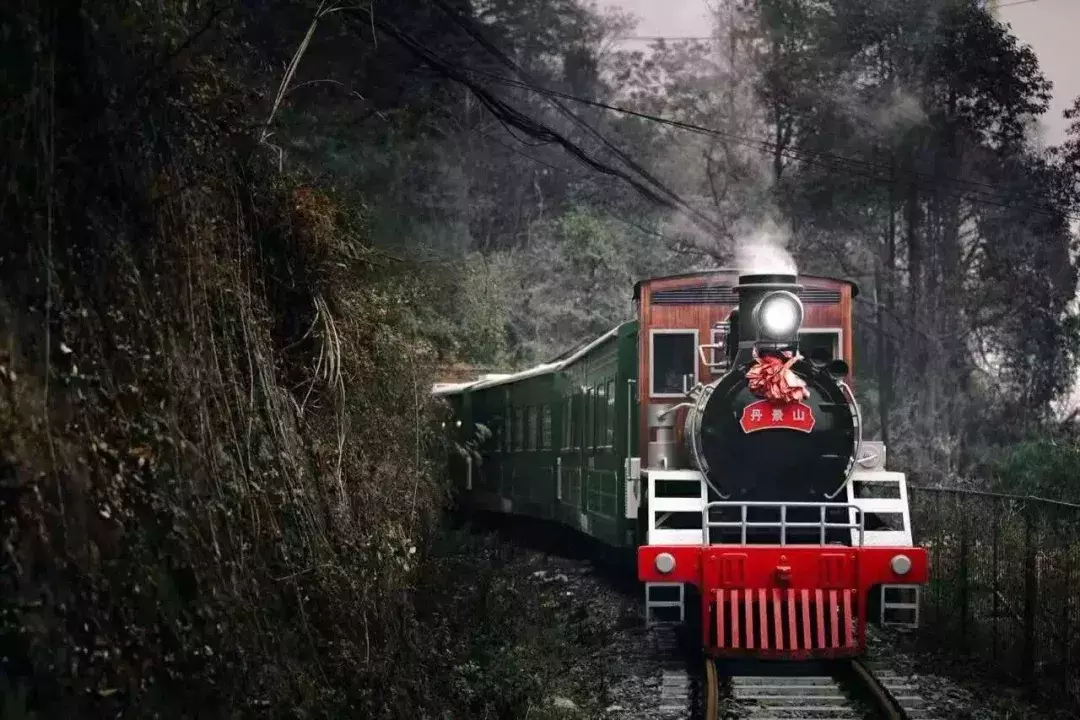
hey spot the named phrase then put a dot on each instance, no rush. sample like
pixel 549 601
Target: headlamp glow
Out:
pixel 779 315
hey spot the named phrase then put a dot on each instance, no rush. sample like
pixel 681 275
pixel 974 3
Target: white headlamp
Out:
pixel 779 315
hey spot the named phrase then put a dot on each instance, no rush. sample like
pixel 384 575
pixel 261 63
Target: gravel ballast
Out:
pixel 617 671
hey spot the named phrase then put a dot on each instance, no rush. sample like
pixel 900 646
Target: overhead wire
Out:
pixel 597 200
pixel 659 193
pixel 508 115
pixel 982 191
pixel 654 38
pixel 471 28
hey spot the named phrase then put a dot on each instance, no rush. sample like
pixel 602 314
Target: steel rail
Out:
pixel 850 690
pixel 886 704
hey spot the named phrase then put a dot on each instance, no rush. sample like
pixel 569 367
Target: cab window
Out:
pixel 821 341
pixel 673 355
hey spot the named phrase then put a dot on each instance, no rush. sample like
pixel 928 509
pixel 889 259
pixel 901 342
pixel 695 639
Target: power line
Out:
pixel 712 38
pixel 512 117
pixel 598 200
pixel 829 160
pixel 614 214
pixel 470 27
pixel 675 38
pixel 665 197
pixel 757 144
pixel 853 166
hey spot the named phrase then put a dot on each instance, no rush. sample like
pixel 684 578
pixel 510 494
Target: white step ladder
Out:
pixel 871 472
pixel 663 503
pixel 895 484
pixel 662 598
pixel 902 612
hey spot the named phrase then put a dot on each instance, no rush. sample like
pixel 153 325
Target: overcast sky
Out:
pixel 1048 26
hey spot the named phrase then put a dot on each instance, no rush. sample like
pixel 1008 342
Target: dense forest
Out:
pixel 241 240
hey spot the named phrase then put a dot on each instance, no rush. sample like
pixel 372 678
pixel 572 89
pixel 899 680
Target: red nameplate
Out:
pixel 765 415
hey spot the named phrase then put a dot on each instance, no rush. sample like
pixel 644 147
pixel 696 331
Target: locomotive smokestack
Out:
pixel 770 312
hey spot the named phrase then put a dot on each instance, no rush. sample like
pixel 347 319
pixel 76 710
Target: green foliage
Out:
pixel 1068 155
pixel 1043 467
pixel 986 554
pixel 215 422
pixel 217 444
pixel 576 279
pixel 934 100
pixel 888 124
pixel 521 651
pixel 480 331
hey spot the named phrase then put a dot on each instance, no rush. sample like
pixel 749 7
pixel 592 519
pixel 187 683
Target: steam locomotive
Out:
pixel 734 468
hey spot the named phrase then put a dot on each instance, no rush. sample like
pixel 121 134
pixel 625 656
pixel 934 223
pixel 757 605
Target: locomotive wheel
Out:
pixel 712 689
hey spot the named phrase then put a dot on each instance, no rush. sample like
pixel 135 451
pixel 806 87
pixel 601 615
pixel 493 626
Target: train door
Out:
pixel 485 477
pixel 511 435
pixel 605 465
pixel 626 428
pixel 568 460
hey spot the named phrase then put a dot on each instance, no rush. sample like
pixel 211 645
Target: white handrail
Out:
pixel 822 524
pixel 712 364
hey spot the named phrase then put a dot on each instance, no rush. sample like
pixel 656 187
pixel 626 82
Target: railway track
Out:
pixel 840 690
pixel 677 684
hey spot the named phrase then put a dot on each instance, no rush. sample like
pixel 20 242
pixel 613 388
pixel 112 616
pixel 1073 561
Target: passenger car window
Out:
pixel 600 419
pixel 534 428
pixel 590 414
pixel 545 429
pixel 519 428
pixel 575 420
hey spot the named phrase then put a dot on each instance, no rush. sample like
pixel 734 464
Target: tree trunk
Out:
pixel 883 280
pixel 915 275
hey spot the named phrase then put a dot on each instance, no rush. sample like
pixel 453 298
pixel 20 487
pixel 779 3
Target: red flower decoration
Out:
pixel 772 378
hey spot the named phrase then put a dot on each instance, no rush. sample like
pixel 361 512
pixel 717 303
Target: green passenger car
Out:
pixel 560 436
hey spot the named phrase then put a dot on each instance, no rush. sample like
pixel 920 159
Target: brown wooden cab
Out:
pixel 679 313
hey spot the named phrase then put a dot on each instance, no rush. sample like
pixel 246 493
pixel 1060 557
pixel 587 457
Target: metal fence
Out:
pixel 1004 587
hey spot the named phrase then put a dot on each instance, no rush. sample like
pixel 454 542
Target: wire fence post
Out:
pixel 1031 598
pixel 1065 637
pixel 1020 623
pixel 995 589
pixel 963 583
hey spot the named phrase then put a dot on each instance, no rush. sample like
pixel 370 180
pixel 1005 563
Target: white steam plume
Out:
pixel 764 252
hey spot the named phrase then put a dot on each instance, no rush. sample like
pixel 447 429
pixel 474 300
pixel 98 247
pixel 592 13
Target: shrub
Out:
pixel 214 418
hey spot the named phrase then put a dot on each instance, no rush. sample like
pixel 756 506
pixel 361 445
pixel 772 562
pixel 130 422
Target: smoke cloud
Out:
pixel 764 252
pixel 900 112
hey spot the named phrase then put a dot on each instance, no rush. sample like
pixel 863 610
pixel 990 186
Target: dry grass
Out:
pixel 214 425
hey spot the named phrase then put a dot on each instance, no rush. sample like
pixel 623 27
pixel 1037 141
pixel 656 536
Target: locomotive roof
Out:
pixel 729 271
pixel 569 356
pixel 557 363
